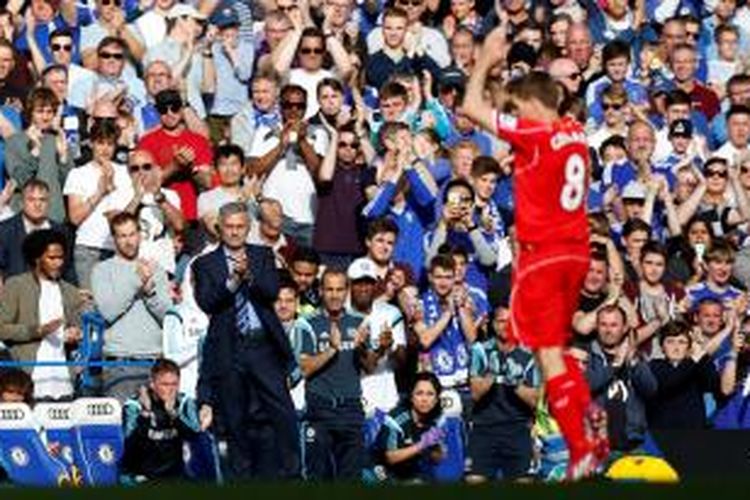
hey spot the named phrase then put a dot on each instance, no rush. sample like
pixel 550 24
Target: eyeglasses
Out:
pixel 293 105
pixel 143 167
pixel 307 51
pixel 716 173
pixel 56 47
pixel 171 107
pixel 116 3
pixel 353 144
pixel 610 105
pixel 112 55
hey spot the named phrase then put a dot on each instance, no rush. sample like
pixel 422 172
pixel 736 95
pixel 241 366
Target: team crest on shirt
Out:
pixel 444 360
pixel 462 356
pixel 19 456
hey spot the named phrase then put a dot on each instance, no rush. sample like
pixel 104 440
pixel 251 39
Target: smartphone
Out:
pixel 700 250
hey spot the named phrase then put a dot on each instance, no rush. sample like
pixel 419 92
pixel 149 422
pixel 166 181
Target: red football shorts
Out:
pixel 547 281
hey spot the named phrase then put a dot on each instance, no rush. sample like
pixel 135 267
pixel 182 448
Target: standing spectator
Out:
pixel 684 375
pixel 504 387
pixel 230 165
pixel 332 365
pixel 684 64
pixel 158 211
pixel 132 294
pixel 738 133
pixel 621 382
pixel 40 314
pixel 183 156
pixel 110 20
pixel 152 24
pixel 262 110
pixel 267 232
pixel 95 193
pixel 246 355
pixel 32 217
pixel 340 186
pixel 113 79
pixel 40 151
pixel 290 159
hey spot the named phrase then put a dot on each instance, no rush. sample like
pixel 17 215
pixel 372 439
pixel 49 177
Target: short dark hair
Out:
pixel 122 218
pixel 35 183
pixel 229 150
pixel 442 261
pixel 536 85
pixel 454 184
pixel 291 88
pixel 286 282
pixel 633 225
pixel 484 165
pixel 678 96
pixel 738 109
pixel 329 82
pixel 36 243
pixel 164 365
pixel 108 41
pixel 16 380
pixel 615 49
pixel 305 254
pixel 104 131
pixel 675 328
pixel 654 247
pixel 382 225
pixel 61 33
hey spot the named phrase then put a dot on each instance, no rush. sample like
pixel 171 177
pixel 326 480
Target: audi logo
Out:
pixel 58 413
pixel 100 409
pixel 12 414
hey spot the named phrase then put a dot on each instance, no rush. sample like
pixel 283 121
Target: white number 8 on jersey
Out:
pixel 572 192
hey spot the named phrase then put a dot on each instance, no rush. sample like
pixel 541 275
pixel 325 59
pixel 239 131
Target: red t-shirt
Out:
pixel 550 178
pixel 163 145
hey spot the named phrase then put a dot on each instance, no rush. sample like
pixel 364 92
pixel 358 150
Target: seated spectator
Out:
pixel 40 314
pixel 409 443
pixel 158 422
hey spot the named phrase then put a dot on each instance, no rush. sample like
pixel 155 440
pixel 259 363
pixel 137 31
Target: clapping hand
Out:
pixel 145 270
pixel 430 438
pixel 385 340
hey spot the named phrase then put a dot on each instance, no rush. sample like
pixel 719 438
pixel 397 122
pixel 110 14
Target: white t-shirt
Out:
pixel 291 185
pixel 211 201
pixel 379 387
pixel 51 381
pixel 152 28
pixel 83 181
pixel 157 243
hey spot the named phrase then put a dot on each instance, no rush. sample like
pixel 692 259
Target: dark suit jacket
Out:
pixel 12 234
pixel 211 294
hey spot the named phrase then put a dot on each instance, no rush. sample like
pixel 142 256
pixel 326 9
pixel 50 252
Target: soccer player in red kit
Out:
pixel 550 173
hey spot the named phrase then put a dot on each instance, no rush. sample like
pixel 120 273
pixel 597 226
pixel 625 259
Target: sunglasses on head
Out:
pixel 293 105
pixel 56 47
pixel 308 50
pixel 611 105
pixel 112 55
pixel 169 107
pixel 716 173
pixel 143 167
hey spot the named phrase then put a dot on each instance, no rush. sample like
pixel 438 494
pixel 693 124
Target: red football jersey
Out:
pixel 550 178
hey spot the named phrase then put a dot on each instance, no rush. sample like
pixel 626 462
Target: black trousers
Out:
pixel 334 443
pixel 258 415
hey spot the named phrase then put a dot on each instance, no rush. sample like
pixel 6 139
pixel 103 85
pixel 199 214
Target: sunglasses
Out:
pixel 353 145
pixel 116 3
pixel 574 76
pixel 293 105
pixel 143 167
pixel 172 107
pixel 288 8
pixel 413 3
pixel 716 173
pixel 609 105
pixel 119 56
pixel 744 169
pixel 307 51
pixel 56 47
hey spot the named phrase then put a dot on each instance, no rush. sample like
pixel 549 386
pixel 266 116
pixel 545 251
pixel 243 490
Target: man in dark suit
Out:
pixel 246 356
pixel 33 216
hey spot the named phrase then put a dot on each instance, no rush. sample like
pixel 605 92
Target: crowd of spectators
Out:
pixel 144 143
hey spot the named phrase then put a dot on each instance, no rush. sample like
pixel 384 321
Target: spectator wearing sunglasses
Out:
pixel 80 80
pixel 183 156
pixel 110 21
pixel 290 156
pixel 191 62
pixel 158 209
pixel 113 81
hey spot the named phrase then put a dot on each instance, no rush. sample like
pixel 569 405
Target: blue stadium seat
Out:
pixel 97 428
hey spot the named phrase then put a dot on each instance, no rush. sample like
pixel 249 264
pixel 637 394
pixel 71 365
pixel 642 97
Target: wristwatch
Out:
pixel 159 198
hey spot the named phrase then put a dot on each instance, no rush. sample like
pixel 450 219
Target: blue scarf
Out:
pixel 449 357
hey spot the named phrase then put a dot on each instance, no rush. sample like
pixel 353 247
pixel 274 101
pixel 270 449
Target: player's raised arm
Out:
pixel 475 106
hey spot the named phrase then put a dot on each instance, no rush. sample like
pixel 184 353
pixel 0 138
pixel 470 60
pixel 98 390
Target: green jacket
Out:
pixel 19 314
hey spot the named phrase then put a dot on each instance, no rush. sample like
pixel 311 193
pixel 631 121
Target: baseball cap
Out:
pixel 225 17
pixel 362 268
pixel 681 128
pixel 634 191
pixel 182 10
pixel 453 77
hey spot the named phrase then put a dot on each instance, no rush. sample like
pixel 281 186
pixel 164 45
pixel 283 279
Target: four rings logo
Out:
pixel 99 410
pixel 12 414
pixel 56 413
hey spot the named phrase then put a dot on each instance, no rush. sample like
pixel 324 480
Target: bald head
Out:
pixel 567 72
pixel 579 47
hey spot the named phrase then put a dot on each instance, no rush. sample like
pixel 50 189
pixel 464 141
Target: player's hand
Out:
pixel 205 417
pixel 385 339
